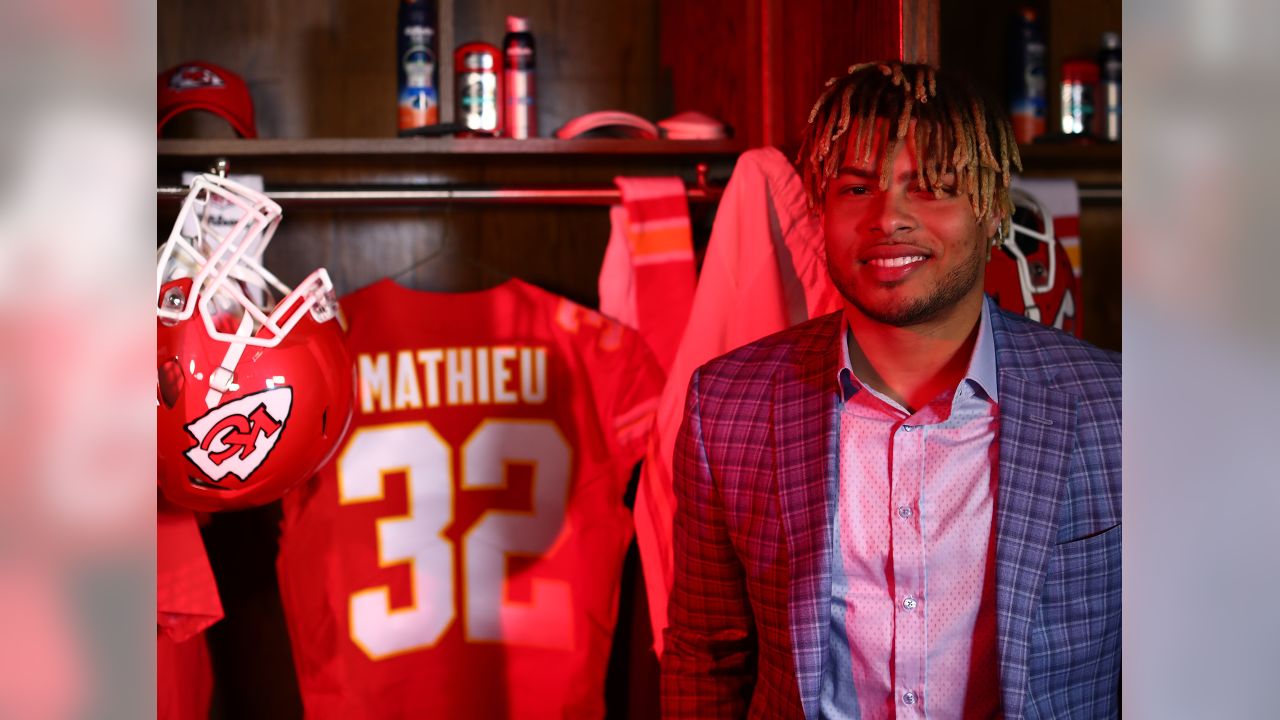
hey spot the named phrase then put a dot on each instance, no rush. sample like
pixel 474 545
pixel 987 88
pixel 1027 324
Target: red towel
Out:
pixel 647 277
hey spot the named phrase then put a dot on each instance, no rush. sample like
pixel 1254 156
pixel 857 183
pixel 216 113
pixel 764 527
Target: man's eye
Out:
pixel 855 190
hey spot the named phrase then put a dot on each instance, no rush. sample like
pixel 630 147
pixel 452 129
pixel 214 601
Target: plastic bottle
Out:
pixel 418 98
pixel 1109 88
pixel 519 112
pixel 1027 87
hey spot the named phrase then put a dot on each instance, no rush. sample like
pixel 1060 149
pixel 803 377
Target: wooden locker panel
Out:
pixel 759 64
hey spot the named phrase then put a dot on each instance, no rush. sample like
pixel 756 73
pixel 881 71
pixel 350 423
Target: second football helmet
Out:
pixel 1029 272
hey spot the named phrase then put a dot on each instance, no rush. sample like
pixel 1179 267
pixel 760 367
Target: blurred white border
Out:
pixel 1201 342
pixel 77 254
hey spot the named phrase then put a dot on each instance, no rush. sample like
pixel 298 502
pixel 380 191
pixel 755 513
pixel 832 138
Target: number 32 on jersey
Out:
pixel 417 537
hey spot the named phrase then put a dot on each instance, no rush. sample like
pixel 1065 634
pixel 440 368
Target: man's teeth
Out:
pixel 896 261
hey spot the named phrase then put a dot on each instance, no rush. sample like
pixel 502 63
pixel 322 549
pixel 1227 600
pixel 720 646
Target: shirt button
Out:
pixel 909 603
pixel 904 512
pixel 909 698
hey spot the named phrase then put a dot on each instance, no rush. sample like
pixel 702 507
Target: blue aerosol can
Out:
pixel 1028 92
pixel 416 71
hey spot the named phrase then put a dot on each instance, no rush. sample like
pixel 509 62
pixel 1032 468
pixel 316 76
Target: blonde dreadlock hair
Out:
pixel 956 131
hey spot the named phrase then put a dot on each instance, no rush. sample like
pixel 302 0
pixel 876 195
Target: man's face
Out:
pixel 900 255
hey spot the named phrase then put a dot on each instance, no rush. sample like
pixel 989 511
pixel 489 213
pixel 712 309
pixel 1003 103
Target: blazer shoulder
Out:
pixel 1063 360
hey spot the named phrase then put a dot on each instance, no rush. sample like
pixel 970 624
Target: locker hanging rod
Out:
pixel 701 192
pixel 575 195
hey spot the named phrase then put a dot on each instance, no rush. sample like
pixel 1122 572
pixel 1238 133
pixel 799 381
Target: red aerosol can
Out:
pixel 519 111
pixel 478 67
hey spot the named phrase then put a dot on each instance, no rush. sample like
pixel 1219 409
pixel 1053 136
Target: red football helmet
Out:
pixel 1030 273
pixel 254 394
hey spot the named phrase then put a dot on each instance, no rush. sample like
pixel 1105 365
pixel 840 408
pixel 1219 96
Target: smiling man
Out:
pixel 909 508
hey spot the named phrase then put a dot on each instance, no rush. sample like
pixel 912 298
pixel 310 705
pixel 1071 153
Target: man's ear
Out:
pixel 991 225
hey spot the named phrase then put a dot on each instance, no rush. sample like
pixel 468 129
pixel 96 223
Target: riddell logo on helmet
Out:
pixel 233 439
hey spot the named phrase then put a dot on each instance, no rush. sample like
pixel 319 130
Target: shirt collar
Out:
pixel 982 363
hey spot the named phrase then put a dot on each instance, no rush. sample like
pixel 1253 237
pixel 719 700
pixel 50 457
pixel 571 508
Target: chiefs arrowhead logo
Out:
pixel 189 77
pixel 235 438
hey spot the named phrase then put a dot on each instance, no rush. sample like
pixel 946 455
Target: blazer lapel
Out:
pixel 804 402
pixel 1037 425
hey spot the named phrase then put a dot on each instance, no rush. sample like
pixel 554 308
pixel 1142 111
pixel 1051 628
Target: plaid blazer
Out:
pixel 749 610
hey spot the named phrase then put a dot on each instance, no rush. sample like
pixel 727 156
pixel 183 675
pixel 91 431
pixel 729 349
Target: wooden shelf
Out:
pixel 1089 165
pixel 366 147
pixel 1052 155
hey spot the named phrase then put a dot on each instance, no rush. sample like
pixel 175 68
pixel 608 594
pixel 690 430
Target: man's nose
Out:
pixel 892 214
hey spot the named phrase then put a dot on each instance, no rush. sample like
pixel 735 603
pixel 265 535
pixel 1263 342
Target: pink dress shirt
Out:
pixel 913 568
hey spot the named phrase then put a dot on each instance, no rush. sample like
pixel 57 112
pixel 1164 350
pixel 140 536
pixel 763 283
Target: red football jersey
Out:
pixel 187 603
pixel 461 554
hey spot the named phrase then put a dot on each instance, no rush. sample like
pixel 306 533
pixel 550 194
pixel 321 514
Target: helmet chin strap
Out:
pixel 221 379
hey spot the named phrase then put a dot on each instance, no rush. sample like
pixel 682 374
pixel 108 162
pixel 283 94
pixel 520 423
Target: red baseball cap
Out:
pixel 204 86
